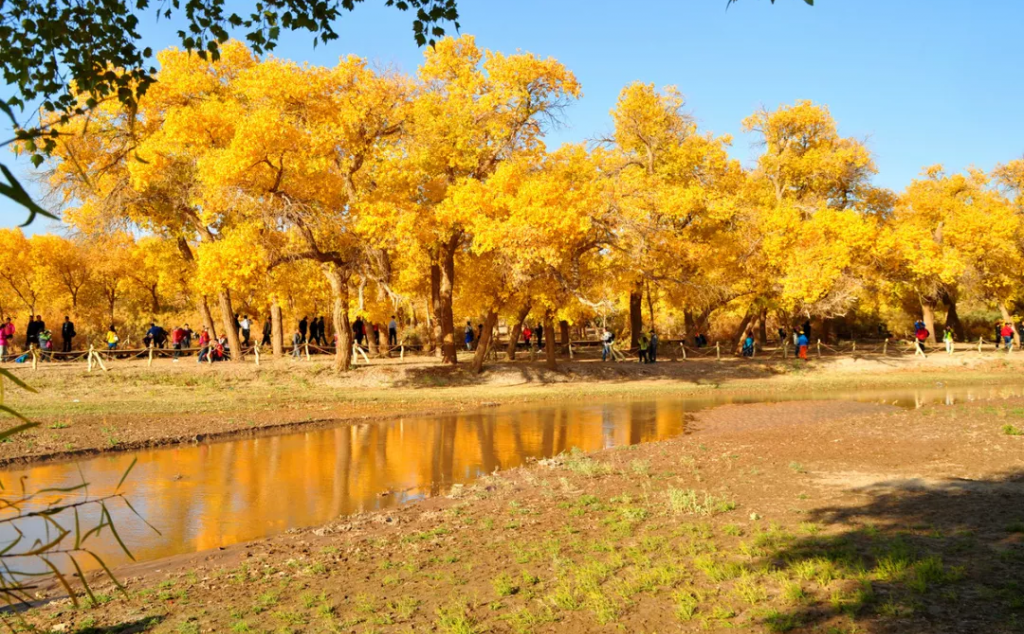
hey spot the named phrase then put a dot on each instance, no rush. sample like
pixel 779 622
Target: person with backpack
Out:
pixel 304 328
pixel 606 344
pixel 67 334
pixel 947 338
pixel 921 335
pixel 645 343
pixel 748 344
pixel 1007 333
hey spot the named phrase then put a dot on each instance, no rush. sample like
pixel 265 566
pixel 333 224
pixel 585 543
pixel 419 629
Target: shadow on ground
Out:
pixel 920 557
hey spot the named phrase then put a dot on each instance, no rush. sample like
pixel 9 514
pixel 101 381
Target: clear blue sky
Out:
pixel 923 81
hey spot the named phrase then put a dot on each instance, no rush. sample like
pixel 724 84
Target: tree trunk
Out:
pixel 339 293
pixel 371 341
pixel 742 330
pixel 762 327
pixel 485 341
pixel 517 330
pixel 435 308
pixel 446 292
pixel 227 317
pixel 276 330
pixel 650 304
pixel 953 319
pixel 1006 317
pixel 636 318
pixel 563 326
pixel 204 312
pixel 928 316
pixel 549 344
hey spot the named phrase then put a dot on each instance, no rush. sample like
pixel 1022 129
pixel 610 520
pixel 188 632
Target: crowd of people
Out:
pixel 314 331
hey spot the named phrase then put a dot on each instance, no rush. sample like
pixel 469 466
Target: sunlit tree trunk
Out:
pixel 742 330
pixel 204 313
pixel 549 343
pixel 227 318
pixel 446 292
pixel 762 327
pixel 435 308
pixel 928 316
pixel 276 330
pixel 339 293
pixel 953 318
pixel 563 326
pixel 484 344
pixel 516 332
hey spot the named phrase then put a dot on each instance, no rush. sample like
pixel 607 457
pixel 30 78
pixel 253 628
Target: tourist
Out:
pixel 392 333
pixel 177 337
pixel 321 332
pixel 46 344
pixel 606 344
pixel 186 337
pixel 540 335
pixel 6 339
pixel 652 350
pixel 204 345
pixel 67 334
pixel 802 342
pixel 527 333
pixel 156 336
pixel 219 349
pixel 782 335
pixel 748 344
pixel 297 340
pixel 921 335
pixel 246 327
pixel 359 330
pixel 644 346
pixel 112 338
pixel 947 337
pixel 468 336
pixel 35 326
pixel 303 328
pixel 1007 334
pixel 999 332
pixel 267 329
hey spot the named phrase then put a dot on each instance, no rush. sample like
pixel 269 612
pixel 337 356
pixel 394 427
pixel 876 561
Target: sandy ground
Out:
pixel 819 516
pixel 135 406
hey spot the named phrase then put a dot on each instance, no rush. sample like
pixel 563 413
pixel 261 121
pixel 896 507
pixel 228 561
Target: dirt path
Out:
pixel 806 517
pixel 135 406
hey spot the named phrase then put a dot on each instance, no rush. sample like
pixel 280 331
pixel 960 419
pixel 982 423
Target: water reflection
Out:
pixel 211 495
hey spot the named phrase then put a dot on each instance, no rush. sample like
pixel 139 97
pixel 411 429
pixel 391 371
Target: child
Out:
pixel 948 338
pixel 112 338
pixel 801 344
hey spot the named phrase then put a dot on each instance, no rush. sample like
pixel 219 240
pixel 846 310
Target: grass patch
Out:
pixel 690 501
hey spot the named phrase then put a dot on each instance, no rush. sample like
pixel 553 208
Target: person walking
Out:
pixel 67 334
pixel 921 335
pixel 468 336
pixel 748 344
pixel 303 328
pixel 999 332
pixel 1007 333
pixel 358 331
pixel 297 340
pixel 35 326
pixel 186 337
pixel 802 341
pixel 267 329
pixel 204 345
pixel 644 346
pixel 4 340
pixel 652 350
pixel 112 338
pixel 177 337
pixel 392 333
pixel 246 327
pixel 540 335
pixel 527 334
pixel 606 344
pixel 947 337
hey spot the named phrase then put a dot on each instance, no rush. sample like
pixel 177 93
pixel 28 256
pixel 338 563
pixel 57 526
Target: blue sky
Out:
pixel 922 81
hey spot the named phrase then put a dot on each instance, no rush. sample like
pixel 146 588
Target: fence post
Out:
pixel 256 350
pixel 855 345
pixel 718 351
pixel 885 346
pixel 89 358
pixel 34 357
pixel 683 347
pixel 979 344
pixel 150 363
pixel 753 350
pixel 819 348
pixel 401 350
pixel 306 346
pixel 785 348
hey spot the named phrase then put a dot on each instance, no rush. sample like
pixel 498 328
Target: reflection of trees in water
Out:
pixel 211 495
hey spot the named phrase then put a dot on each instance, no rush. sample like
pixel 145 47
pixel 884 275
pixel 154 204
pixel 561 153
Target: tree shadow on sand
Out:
pixel 920 557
